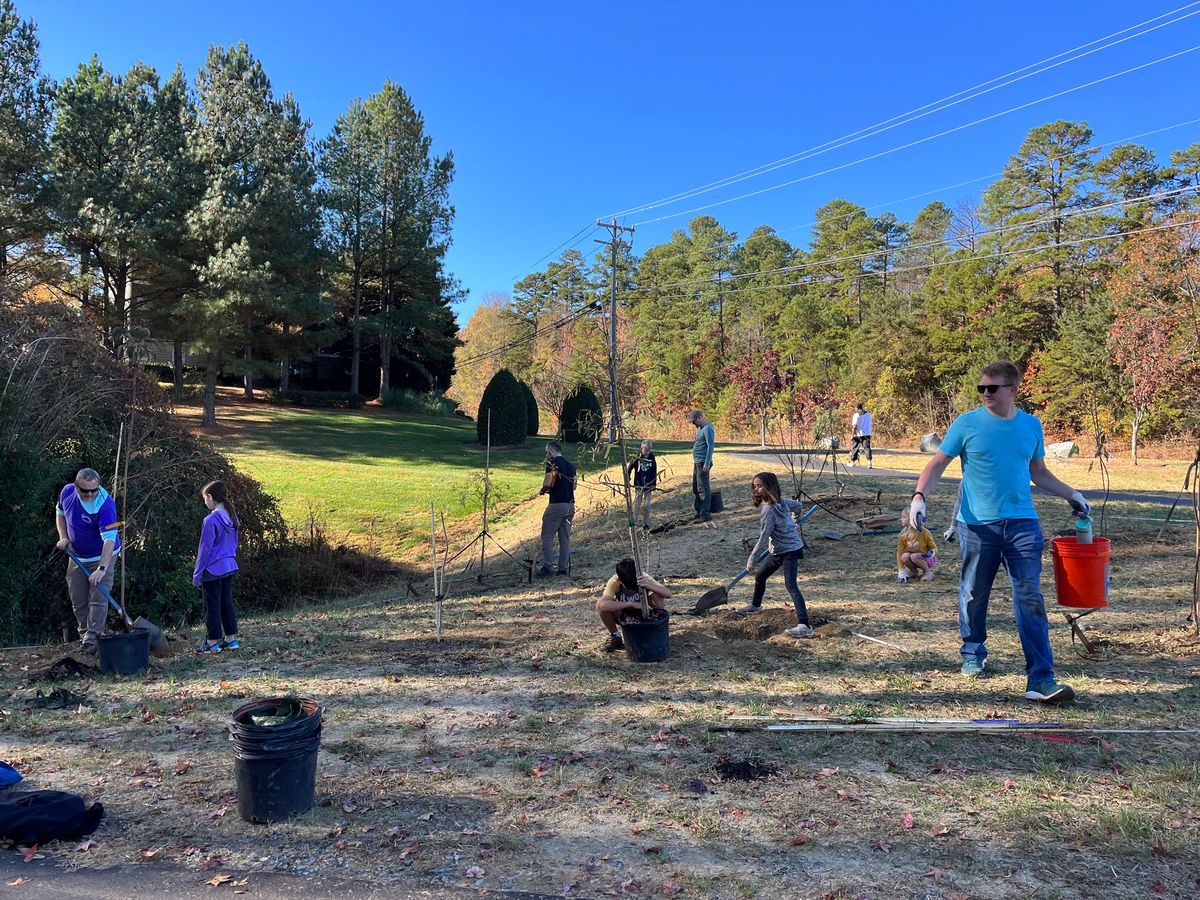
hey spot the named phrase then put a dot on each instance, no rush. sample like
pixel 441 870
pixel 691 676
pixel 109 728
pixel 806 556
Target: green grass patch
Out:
pixel 368 476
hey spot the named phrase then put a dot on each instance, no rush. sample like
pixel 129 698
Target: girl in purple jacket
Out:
pixel 216 561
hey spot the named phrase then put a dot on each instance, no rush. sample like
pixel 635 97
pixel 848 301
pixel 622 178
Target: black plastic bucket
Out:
pixel 718 505
pixel 646 640
pixel 275 765
pixel 125 653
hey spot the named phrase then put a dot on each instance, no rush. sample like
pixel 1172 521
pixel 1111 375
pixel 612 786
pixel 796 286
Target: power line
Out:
pixel 1016 226
pixel 923 140
pixel 833 279
pixel 920 111
pixel 593 230
pixel 950 187
pixel 537 332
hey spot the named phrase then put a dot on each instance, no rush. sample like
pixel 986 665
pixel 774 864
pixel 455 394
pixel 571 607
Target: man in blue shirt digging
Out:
pixel 1002 449
pixel 86 519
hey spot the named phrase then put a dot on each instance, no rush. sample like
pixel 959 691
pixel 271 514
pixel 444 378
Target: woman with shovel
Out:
pixel 780 535
pixel 216 561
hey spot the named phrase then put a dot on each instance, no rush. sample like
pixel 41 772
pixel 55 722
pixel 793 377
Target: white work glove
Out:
pixel 1079 505
pixel 902 576
pixel 951 533
pixel 916 511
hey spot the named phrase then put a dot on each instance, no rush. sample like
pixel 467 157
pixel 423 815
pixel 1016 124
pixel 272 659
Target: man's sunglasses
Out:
pixel 80 490
pixel 991 388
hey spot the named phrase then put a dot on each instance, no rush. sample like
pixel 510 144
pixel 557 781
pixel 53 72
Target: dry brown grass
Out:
pixel 515 748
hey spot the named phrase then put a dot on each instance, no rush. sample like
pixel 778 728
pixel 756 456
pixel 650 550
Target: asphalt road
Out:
pixel 46 881
pixel 881 471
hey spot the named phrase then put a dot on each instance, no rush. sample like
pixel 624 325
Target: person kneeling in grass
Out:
pixel 623 592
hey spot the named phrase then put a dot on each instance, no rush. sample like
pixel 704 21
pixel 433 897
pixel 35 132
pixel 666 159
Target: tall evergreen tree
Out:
pixel 121 186
pixel 255 221
pixel 24 121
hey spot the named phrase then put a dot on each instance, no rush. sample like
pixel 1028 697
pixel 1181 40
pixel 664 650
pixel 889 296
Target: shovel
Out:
pixel 720 595
pixel 157 642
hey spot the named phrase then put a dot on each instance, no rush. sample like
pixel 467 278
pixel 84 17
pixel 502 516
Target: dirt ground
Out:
pixel 514 755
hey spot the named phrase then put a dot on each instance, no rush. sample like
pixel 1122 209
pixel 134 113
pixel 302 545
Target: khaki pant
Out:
pixel 91 608
pixel 641 505
pixel 556 522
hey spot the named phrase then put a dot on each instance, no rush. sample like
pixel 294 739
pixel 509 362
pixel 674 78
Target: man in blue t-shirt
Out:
pixel 559 514
pixel 1002 449
pixel 86 519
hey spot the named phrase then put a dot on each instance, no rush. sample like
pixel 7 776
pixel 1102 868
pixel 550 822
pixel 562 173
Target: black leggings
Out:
pixel 790 562
pixel 218 607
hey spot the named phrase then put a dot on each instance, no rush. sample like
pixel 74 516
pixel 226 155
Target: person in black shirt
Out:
pixel 560 511
pixel 645 480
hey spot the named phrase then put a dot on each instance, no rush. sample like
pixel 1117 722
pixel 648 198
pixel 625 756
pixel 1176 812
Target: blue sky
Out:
pixel 560 113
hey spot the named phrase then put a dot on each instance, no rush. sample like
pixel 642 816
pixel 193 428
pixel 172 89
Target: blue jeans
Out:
pixel 702 491
pixel 790 563
pixel 1018 544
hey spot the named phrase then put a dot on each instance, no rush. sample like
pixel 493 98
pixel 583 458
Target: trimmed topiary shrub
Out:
pixel 510 416
pixel 580 419
pixel 531 406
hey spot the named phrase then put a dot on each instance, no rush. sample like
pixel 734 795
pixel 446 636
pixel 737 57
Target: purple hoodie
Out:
pixel 217 553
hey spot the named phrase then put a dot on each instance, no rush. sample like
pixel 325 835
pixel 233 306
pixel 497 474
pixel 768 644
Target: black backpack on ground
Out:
pixel 34 817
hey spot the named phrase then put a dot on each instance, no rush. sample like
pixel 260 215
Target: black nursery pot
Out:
pixel 125 653
pixel 646 640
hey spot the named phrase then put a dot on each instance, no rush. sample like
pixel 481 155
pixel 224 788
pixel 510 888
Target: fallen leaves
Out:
pixel 907 820
pixel 29 854
pixel 218 880
pixel 17 882
pixel 183 766
pixel 475 872
pixel 146 853
pixel 939 830
pixel 84 846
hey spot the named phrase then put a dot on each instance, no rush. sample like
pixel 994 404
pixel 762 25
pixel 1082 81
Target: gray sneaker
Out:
pixel 801 631
pixel 749 608
pixel 972 666
pixel 1049 691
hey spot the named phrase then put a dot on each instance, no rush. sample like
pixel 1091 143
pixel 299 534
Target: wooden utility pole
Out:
pixel 612 323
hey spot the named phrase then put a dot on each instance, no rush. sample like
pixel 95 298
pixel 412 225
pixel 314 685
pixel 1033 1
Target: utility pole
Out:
pixel 612 324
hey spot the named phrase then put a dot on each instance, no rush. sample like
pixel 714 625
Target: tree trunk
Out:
pixel 285 364
pixel 248 378
pixel 762 429
pixel 385 348
pixel 1139 416
pixel 356 330
pixel 177 366
pixel 209 418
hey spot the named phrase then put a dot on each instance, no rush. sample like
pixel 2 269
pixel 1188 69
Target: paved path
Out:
pixel 46 881
pixel 1165 498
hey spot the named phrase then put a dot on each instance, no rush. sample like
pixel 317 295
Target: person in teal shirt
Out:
pixel 1002 450
pixel 702 460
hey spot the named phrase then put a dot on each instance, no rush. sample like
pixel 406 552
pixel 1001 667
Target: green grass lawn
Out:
pixel 368 476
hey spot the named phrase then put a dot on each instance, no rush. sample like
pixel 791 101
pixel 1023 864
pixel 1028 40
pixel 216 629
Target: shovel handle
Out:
pixel 742 574
pixel 103 590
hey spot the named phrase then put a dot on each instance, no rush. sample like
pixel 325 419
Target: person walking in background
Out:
pixel 861 427
pixel 86 519
pixel 645 480
pixel 702 460
pixel 778 534
pixel 1002 449
pixel 216 561
pixel 560 512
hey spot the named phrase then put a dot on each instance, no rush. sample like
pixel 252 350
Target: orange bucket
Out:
pixel 1081 572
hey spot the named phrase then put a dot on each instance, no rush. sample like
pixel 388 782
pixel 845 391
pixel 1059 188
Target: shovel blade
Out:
pixel 709 599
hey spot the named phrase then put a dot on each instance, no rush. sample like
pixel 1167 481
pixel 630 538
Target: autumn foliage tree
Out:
pixel 1155 333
